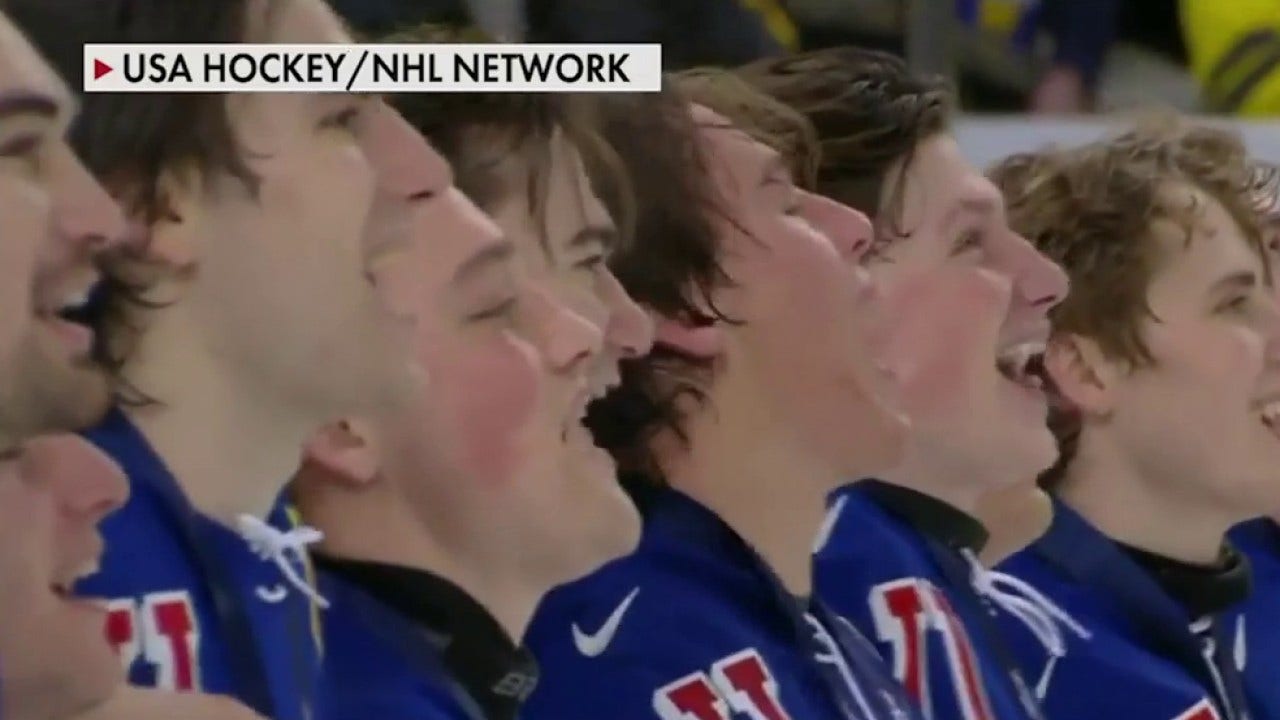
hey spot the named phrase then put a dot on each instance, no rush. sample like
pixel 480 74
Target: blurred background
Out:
pixel 1029 71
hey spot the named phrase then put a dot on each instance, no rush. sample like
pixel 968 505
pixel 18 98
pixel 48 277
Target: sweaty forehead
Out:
pixel 23 70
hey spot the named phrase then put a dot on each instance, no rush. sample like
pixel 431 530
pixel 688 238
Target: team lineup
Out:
pixel 746 399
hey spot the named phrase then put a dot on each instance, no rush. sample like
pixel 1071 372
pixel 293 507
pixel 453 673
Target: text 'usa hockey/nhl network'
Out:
pixel 372 68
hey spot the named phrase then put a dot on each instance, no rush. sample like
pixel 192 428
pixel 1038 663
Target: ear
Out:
pixel 345 449
pixel 698 340
pixel 172 239
pixel 1082 374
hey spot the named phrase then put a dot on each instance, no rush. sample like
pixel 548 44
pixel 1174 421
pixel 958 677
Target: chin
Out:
pixel 873 449
pixel 83 679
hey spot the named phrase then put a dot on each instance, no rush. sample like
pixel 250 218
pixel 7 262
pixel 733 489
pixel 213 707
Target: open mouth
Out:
pixel 69 308
pixel 64 587
pixel 1023 364
pixel 1270 416
pixel 577 426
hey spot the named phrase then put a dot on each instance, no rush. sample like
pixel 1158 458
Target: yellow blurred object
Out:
pixel 1234 47
pixel 777 21
pixel 1001 16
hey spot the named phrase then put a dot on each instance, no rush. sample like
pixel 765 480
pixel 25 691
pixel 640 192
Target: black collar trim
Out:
pixel 498 674
pixel 1202 589
pixel 944 523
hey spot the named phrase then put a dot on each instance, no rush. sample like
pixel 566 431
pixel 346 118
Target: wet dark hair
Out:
pixel 496 140
pixel 675 266
pixel 672 267
pixel 870 114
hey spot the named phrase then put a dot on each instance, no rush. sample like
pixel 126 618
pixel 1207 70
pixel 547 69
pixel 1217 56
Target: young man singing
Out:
pixel 56 221
pixel 1166 357
pixel 1256 646
pixel 762 394
pixel 968 298
pixel 447 521
pixel 268 294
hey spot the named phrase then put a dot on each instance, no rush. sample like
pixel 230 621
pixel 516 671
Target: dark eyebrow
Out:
pixel 1241 279
pixel 22 102
pixel 489 255
pixel 604 235
pixel 774 167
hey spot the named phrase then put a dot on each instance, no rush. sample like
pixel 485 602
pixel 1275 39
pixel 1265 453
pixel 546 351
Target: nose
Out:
pixel 1038 281
pixel 404 163
pixel 630 328
pixel 86 220
pixel 567 341
pixel 848 229
pixel 86 483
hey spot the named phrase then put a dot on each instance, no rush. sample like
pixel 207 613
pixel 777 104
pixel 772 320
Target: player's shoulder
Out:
pixel 1109 675
pixel 367 697
pixel 860 536
pixel 608 643
pixel 142 553
pixel 862 547
pixel 364 674
pixel 1257 538
pixel 1106 671
pixel 629 608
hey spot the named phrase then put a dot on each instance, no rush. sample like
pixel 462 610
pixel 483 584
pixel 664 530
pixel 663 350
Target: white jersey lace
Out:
pixel 272 544
pixel 1038 613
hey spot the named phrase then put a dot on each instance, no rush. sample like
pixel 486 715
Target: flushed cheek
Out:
pixel 497 401
pixel 942 343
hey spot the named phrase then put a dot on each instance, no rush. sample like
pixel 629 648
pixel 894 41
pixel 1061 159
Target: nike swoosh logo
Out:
pixel 596 643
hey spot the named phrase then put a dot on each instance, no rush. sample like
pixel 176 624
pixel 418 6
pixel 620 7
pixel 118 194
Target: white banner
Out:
pixel 372 68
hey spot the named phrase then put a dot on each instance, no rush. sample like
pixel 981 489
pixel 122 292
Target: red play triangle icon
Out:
pixel 100 68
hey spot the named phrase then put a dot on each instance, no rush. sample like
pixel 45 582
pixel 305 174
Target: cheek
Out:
pixel 945 325
pixel 1228 359
pixel 496 401
pixel 26 541
pixel 320 192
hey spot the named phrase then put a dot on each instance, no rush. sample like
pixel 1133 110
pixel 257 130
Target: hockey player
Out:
pixel 266 297
pixel 445 523
pixel 1256 647
pixel 56 220
pixel 968 299
pixel 1166 356
pixel 762 394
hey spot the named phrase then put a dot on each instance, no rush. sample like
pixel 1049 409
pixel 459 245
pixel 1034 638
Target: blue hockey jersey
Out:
pixel 1257 640
pixel 192 605
pixel 405 644
pixel 891 562
pixel 1149 657
pixel 693 626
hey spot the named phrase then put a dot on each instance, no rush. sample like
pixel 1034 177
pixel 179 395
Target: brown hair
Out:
pixel 869 113
pixel 129 140
pixel 1092 210
pixel 674 267
pixel 765 119
pixel 496 142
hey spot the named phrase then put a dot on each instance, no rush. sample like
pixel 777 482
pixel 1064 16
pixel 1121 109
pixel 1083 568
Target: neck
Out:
pixel 231 448
pixel 358 525
pixel 1140 511
pixel 928 473
pixel 747 470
